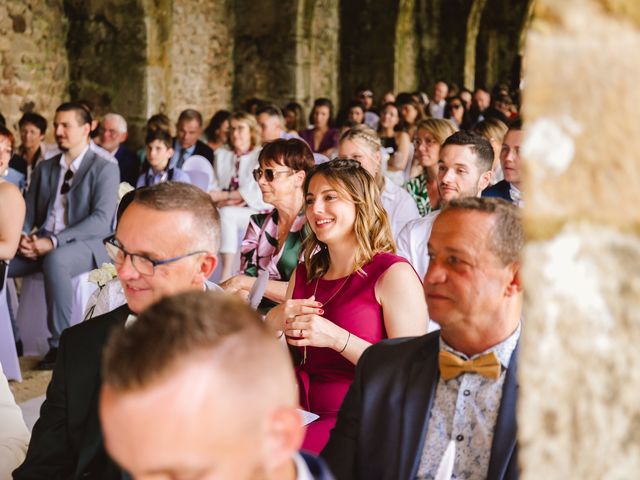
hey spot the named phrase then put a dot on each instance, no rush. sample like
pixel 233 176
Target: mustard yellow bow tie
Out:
pixel 486 365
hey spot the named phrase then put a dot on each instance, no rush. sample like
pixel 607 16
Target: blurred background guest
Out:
pixel 423 184
pixel 235 191
pixel 217 132
pixel 322 137
pixel 396 143
pixel 493 130
pixel 294 118
pixel 362 144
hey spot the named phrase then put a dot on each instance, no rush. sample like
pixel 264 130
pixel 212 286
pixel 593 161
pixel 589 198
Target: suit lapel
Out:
pixel 421 387
pixel 504 436
pixel 87 161
pixel 54 178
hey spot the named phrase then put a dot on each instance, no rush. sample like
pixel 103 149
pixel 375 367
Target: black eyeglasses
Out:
pixel 455 106
pixel 143 265
pixel 269 173
pixel 66 185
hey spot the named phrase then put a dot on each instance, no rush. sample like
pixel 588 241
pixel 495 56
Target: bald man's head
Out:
pixel 198 382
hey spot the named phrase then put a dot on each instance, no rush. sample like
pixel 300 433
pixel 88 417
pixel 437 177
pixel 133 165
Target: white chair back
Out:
pixel 200 171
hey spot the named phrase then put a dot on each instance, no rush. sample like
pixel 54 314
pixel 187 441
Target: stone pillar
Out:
pixel 33 59
pixel 579 408
pixel 406 48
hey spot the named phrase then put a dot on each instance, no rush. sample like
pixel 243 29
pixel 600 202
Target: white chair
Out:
pixel 200 171
pixel 32 310
pixel 8 353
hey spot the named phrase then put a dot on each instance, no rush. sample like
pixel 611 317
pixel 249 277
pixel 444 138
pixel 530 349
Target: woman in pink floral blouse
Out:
pixel 273 240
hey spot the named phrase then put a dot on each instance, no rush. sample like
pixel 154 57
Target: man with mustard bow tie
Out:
pixel 457 387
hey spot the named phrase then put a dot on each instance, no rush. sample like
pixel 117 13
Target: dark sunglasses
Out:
pixel 66 185
pixel 456 106
pixel 269 173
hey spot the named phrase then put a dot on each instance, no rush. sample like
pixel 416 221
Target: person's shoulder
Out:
pixel 97 326
pixel 418 226
pixel 394 352
pixel 500 189
pixel 223 153
pixel 317 466
pixel 9 191
pixel 384 260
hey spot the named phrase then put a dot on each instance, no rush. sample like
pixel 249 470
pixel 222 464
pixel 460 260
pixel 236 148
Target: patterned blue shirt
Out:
pixel 465 409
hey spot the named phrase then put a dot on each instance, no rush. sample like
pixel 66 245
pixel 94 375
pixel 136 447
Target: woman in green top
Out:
pixel 430 135
pixel 273 240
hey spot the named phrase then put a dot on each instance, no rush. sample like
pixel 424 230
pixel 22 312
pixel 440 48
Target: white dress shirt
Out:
pixel 412 242
pixel 399 206
pixel 57 220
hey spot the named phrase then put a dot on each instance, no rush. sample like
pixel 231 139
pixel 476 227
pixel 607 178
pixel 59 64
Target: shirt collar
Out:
pixel 75 164
pixel 503 350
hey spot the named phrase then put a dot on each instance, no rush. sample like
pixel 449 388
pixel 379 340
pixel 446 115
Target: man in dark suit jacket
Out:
pixel 187 141
pixel 509 188
pixel 67 439
pixel 412 400
pixel 200 387
pixel 71 204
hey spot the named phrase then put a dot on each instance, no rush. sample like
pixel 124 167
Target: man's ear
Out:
pixel 208 265
pixel 515 280
pixel 484 181
pixel 284 437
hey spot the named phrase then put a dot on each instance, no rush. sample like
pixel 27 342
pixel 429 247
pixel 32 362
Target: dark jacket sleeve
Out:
pixel 50 454
pixel 340 451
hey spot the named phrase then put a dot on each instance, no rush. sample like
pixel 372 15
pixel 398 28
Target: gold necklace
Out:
pixel 315 290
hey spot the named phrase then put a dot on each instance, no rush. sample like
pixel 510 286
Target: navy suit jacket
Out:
pixel 317 467
pixel 129 165
pixel 499 190
pixel 383 421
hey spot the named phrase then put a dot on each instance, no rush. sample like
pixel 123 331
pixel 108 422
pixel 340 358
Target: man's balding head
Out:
pixel 169 221
pixel 199 383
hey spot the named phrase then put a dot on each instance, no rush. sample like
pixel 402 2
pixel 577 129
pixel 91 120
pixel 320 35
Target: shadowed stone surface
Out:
pixel 579 414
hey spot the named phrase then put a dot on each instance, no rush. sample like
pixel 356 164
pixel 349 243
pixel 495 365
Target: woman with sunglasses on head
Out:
pixel 273 240
pixel 350 292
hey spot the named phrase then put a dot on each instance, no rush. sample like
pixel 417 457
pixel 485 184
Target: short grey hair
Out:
pixel 507 237
pixel 184 197
pixel 121 123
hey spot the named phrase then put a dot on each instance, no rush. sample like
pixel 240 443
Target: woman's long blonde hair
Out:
pixel 372 228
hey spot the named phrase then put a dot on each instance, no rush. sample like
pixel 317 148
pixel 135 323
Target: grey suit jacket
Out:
pixel 92 201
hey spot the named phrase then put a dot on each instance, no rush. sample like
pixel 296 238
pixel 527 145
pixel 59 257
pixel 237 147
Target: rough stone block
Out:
pixel 579 414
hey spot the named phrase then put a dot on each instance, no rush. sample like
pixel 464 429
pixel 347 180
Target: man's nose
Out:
pixel 126 269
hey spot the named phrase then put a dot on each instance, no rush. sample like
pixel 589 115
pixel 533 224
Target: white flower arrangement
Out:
pixel 123 189
pixel 101 276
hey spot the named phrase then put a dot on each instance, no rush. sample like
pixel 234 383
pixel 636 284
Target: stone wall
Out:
pixel 33 61
pixel 200 65
pixel 579 414
pixel 265 50
pixel 106 46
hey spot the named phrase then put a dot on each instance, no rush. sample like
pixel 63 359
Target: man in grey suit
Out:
pixel 71 204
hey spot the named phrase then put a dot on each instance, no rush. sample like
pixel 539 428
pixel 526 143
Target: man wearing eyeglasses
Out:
pixel 71 204
pixel 509 188
pixel 165 243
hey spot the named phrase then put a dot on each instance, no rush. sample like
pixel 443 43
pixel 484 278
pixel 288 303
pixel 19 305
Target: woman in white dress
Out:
pixel 235 191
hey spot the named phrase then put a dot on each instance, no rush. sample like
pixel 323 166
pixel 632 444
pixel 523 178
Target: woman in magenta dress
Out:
pixel 351 291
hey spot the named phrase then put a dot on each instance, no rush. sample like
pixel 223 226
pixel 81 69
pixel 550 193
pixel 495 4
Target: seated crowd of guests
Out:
pixel 359 234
